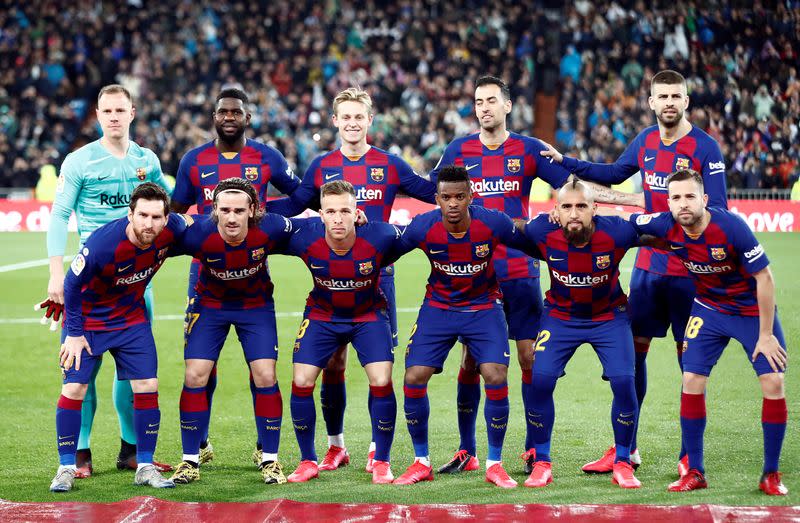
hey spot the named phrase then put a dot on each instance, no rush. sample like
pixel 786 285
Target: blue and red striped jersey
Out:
pixel 377 177
pixel 584 281
pixel 722 259
pixel 462 277
pixel 501 179
pixel 202 168
pixel 234 277
pixel 346 284
pixel 104 288
pixel 657 160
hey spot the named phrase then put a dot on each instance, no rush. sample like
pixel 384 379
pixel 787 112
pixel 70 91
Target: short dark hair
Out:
pixel 493 80
pixel 667 77
pixel 337 187
pixel 241 185
pixel 454 174
pixel 233 92
pixel 151 192
pixel 686 174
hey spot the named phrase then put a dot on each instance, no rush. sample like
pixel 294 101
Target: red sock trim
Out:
pixel 693 406
pixel 527 377
pixel 468 377
pixel 194 401
pixel 302 391
pixel 774 411
pixel 382 391
pixel 332 377
pixel 496 394
pixel 641 347
pixel 69 404
pixel 269 405
pixel 412 392
pixel 145 400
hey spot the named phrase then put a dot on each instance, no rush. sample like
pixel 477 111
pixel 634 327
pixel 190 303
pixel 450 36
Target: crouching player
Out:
pixel 105 311
pixel 735 299
pixel 233 288
pixel 346 305
pixel 585 304
pixel 462 299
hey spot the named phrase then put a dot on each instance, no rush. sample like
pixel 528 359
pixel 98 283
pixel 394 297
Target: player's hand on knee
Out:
pixel 551 152
pixel 71 351
pixel 775 354
pixel 52 312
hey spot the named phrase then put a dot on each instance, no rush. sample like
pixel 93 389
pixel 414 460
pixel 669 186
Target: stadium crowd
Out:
pixel 418 61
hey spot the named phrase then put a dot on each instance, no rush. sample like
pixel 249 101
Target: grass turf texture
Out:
pixel 31 382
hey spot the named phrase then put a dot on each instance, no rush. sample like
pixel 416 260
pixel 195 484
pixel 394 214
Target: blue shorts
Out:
pixel 559 339
pixel 386 285
pixel 134 351
pixel 436 330
pixel 657 301
pixel 522 304
pixel 206 330
pixel 317 341
pixel 710 331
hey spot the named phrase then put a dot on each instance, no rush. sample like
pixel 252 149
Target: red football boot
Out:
pixel 370 461
pixel 692 480
pixel 497 475
pixel 335 457
pixel 541 476
pixel 417 472
pixel 683 466
pixel 381 472
pixel 623 475
pixel 305 471
pixel 603 465
pixel 462 461
pixel 771 484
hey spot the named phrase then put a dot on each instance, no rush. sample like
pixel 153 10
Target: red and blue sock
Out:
pixel 417 411
pixel 693 426
pixel 384 415
pixel 194 415
pixel 495 411
pixel 304 419
pixel 773 422
pixel 68 426
pixel 268 410
pixel 146 420
pixel 624 413
pixel 468 398
pixel 333 400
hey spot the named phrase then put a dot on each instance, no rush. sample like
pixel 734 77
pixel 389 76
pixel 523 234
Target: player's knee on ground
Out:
pixel 144 386
pixel 418 375
pixel 263 371
pixel 74 391
pixel 338 362
pixel 494 373
pixel 197 372
pixel 694 383
pixel 772 385
pixel 525 354
pixel 468 363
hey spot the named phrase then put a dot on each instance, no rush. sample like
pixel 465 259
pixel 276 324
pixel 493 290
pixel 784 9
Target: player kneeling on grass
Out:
pixel 233 288
pixel 585 304
pixel 105 311
pixel 462 299
pixel 346 305
pixel 735 299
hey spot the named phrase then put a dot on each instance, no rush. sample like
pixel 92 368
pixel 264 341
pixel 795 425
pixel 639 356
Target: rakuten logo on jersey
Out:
pixel 583 280
pixel 235 274
pixel 363 194
pixel 460 269
pixel 655 181
pixel 139 276
pixel 705 268
pixel 208 194
pixel 115 200
pixel 491 187
pixel 342 285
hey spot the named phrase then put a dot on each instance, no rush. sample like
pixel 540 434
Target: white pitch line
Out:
pixel 29 264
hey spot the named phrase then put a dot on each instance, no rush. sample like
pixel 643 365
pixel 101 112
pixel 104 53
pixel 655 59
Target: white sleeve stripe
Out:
pixel 717 171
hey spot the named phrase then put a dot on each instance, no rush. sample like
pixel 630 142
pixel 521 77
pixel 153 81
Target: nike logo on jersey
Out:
pixel 556 259
pixel 437 251
pixel 470 167
pixel 212 260
pixel 648 158
pixel 206 175
pixel 125 268
pixel 100 177
pixel 676 247
pixel 317 266
pixel 329 176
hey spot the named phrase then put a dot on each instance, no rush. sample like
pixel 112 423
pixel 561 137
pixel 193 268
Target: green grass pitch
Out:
pixel 31 381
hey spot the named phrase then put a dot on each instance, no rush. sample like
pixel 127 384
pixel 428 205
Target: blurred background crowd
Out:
pixel 417 58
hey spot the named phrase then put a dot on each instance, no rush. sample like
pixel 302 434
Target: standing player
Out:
pixel 463 300
pixel 377 177
pixel 735 299
pixel 105 311
pixel 346 305
pixel 230 155
pixel 96 182
pixel 661 289
pixel 233 288
pixel 585 304
pixel 502 167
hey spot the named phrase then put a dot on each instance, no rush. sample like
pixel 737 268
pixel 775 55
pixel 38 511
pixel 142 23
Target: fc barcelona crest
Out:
pixel 482 250
pixel 681 163
pixel 257 254
pixel 513 165
pixel 251 173
pixel 718 253
pixel 376 173
pixel 603 261
pixel 141 173
pixel 365 267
